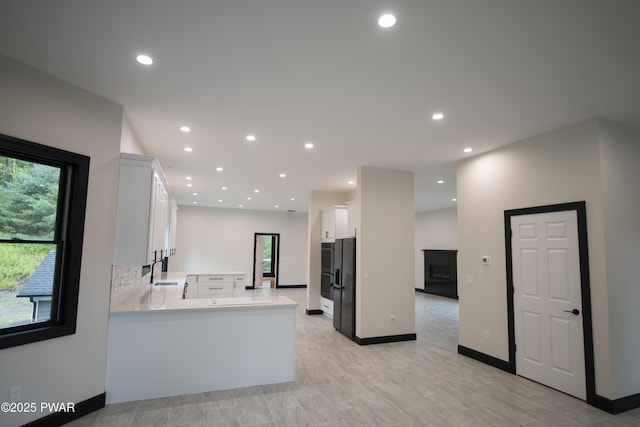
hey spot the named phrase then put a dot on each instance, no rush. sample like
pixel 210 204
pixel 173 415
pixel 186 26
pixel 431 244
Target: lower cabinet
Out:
pixel 213 285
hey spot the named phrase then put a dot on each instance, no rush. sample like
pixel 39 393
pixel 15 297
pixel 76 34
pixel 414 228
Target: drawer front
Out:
pixel 208 290
pixel 215 278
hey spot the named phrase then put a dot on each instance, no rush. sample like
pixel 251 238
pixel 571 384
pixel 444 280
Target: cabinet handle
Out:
pixel 211 289
pixel 216 278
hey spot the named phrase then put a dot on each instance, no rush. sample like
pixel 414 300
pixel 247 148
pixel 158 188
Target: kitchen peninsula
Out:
pixel 162 345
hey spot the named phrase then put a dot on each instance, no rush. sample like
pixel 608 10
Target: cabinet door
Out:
pixel 218 285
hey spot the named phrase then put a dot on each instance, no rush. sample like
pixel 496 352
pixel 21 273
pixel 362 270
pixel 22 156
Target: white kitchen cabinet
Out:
pixel 215 285
pixel 173 221
pixel 353 214
pixel 142 212
pixel 222 285
pixel 334 223
pixel 326 305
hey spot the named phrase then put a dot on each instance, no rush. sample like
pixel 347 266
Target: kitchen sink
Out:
pixel 164 283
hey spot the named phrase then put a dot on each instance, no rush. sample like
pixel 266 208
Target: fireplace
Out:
pixel 440 272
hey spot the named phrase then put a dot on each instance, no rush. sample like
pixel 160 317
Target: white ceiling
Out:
pixel 323 71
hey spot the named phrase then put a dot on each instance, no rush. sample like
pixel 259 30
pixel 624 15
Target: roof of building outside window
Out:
pixel 41 282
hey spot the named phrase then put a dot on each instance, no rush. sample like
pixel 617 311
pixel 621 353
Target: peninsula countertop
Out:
pixel 158 296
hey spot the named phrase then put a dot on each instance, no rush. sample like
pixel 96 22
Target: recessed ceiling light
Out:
pixel 239 206
pixel 248 198
pixel 293 198
pixel 350 183
pixel 276 206
pixel 185 129
pixel 144 59
pixel 195 194
pixel 387 20
pixel 454 200
pixel 440 181
pixel 188 149
pixel 468 150
pixel 189 185
pixel 224 188
pixel 220 200
pixel 195 203
pixel 256 190
pixel 219 169
pixel 283 175
pixel 251 137
pixel 188 178
pixel 437 116
pixel 308 145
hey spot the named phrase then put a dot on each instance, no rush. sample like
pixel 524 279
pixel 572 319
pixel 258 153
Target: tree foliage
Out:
pixel 28 207
pixel 28 199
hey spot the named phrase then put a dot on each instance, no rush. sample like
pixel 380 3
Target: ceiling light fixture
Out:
pixel 283 175
pixel 256 191
pixel 219 169
pixel 144 59
pixel 293 199
pixel 189 185
pixel 239 206
pixel 188 178
pixel 220 200
pixel 185 129
pixel 387 20
pixel 454 200
pixel 195 203
pixel 195 194
pixel 468 150
pixel 440 181
pixel 224 188
pixel 188 149
pixel 248 198
pixel 308 145
pixel 437 116
pixel 351 183
pixel 251 137
pixel 276 206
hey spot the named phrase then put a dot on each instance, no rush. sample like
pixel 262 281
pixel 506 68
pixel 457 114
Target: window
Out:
pixel 43 193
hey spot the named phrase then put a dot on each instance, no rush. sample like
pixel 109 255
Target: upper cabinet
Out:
pixel 334 223
pixel 354 216
pixel 145 217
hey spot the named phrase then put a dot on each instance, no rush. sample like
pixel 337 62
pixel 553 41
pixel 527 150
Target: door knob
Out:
pixel 574 311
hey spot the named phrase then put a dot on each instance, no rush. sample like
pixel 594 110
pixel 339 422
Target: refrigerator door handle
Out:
pixel 336 280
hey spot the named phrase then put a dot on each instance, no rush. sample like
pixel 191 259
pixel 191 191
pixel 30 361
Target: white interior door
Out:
pixel 547 300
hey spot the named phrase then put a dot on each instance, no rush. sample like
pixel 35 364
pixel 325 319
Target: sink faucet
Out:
pixel 162 260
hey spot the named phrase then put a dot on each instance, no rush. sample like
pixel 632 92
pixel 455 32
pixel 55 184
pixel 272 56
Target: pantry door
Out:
pixel 547 300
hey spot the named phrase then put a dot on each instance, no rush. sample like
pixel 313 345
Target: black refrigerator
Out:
pixel 344 286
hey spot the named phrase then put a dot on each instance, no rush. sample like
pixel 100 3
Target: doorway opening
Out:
pixel 266 260
pixel 545 261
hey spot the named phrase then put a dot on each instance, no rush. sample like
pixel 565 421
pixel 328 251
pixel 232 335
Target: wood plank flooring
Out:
pixel 338 383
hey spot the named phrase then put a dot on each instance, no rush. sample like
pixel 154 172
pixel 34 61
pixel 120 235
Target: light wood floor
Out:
pixel 338 383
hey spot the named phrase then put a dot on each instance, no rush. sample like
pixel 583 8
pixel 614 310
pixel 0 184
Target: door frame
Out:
pixel 587 327
pixel 275 266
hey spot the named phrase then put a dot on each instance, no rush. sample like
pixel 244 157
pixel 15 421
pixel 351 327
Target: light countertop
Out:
pixel 156 297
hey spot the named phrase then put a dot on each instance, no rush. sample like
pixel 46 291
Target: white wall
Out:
pixel 619 159
pixel 129 140
pixel 385 253
pixel 557 167
pixel 218 240
pixel 39 108
pixel 437 229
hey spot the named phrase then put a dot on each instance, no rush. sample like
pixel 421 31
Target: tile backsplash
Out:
pixel 125 276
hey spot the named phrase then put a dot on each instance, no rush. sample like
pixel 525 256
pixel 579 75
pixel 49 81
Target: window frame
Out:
pixel 72 201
